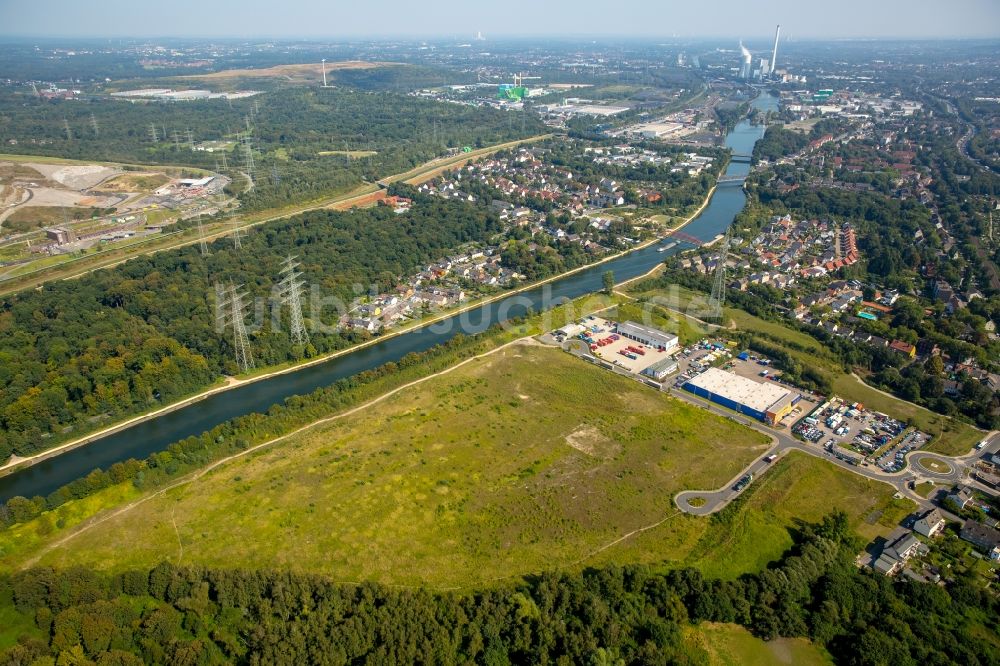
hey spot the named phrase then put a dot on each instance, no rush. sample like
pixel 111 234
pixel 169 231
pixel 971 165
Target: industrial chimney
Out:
pixel 774 53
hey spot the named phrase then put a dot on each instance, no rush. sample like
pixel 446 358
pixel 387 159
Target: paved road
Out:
pixel 711 501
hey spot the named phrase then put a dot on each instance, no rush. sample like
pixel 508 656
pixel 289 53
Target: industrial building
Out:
pixel 61 235
pixel 661 369
pixel 646 335
pixel 765 401
pixel 658 130
pixel 570 330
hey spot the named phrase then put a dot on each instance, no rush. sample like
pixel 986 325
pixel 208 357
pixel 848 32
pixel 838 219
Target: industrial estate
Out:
pixel 491 350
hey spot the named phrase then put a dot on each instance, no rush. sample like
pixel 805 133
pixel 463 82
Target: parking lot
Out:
pixel 854 433
pixel 893 459
pixel 696 358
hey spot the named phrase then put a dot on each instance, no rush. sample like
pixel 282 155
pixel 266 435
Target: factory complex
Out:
pixel 764 401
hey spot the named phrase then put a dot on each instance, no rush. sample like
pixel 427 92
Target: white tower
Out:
pixel 324 72
pixel 774 53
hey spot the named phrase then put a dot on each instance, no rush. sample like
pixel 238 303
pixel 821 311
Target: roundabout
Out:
pixel 934 466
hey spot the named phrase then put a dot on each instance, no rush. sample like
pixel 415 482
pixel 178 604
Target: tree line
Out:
pixel 610 615
pixel 76 354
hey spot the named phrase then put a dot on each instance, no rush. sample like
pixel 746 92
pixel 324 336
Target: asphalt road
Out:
pixel 711 501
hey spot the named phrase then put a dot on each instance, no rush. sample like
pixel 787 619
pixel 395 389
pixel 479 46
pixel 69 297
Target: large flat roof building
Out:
pixel 765 401
pixel 647 335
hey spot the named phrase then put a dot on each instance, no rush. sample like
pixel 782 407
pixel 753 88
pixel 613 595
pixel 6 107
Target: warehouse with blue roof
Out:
pixel 768 402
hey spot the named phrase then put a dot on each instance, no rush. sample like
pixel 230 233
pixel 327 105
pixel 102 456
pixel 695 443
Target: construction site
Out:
pixel 51 209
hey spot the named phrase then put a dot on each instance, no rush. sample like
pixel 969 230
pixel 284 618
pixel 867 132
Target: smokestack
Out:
pixel 774 53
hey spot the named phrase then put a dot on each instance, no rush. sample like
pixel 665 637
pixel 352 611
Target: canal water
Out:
pixel 156 434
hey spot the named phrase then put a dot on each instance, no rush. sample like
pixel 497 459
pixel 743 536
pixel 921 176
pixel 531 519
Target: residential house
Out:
pixel 929 523
pixel 986 538
pixel 904 348
pixel 959 498
pixel 895 555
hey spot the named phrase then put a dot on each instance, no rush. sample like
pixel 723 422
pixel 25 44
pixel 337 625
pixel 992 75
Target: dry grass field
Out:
pixel 304 72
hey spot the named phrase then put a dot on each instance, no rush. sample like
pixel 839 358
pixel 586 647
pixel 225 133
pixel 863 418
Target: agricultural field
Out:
pixel 522 461
pixel 732 645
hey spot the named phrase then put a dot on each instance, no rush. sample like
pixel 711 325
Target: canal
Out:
pixel 156 434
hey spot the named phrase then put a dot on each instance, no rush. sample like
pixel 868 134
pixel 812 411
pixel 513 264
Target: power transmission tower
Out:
pixel 152 132
pixel 230 313
pixel 248 153
pixel 290 289
pixel 190 139
pixel 237 234
pixel 202 245
pixel 69 132
pixel 93 123
pixel 718 296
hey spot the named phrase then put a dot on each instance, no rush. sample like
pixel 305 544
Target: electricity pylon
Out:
pixel 229 311
pixel 718 296
pixel 237 234
pixel 202 245
pixel 290 290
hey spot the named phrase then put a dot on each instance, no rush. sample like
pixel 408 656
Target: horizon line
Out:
pixel 500 37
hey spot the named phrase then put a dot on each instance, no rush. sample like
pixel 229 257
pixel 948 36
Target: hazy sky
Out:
pixel 462 18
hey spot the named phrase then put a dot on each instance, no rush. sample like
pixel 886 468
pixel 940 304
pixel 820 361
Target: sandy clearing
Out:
pixel 314 69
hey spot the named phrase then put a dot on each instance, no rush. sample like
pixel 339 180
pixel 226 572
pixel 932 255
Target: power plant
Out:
pixel 766 67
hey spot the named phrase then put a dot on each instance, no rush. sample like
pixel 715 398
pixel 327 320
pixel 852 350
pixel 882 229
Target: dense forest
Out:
pixel 613 615
pixel 75 354
pixel 779 142
pixel 290 129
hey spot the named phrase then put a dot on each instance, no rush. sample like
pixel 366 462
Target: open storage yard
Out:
pixel 604 343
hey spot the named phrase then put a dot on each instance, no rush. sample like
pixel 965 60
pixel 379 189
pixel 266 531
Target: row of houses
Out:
pixel 930 523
